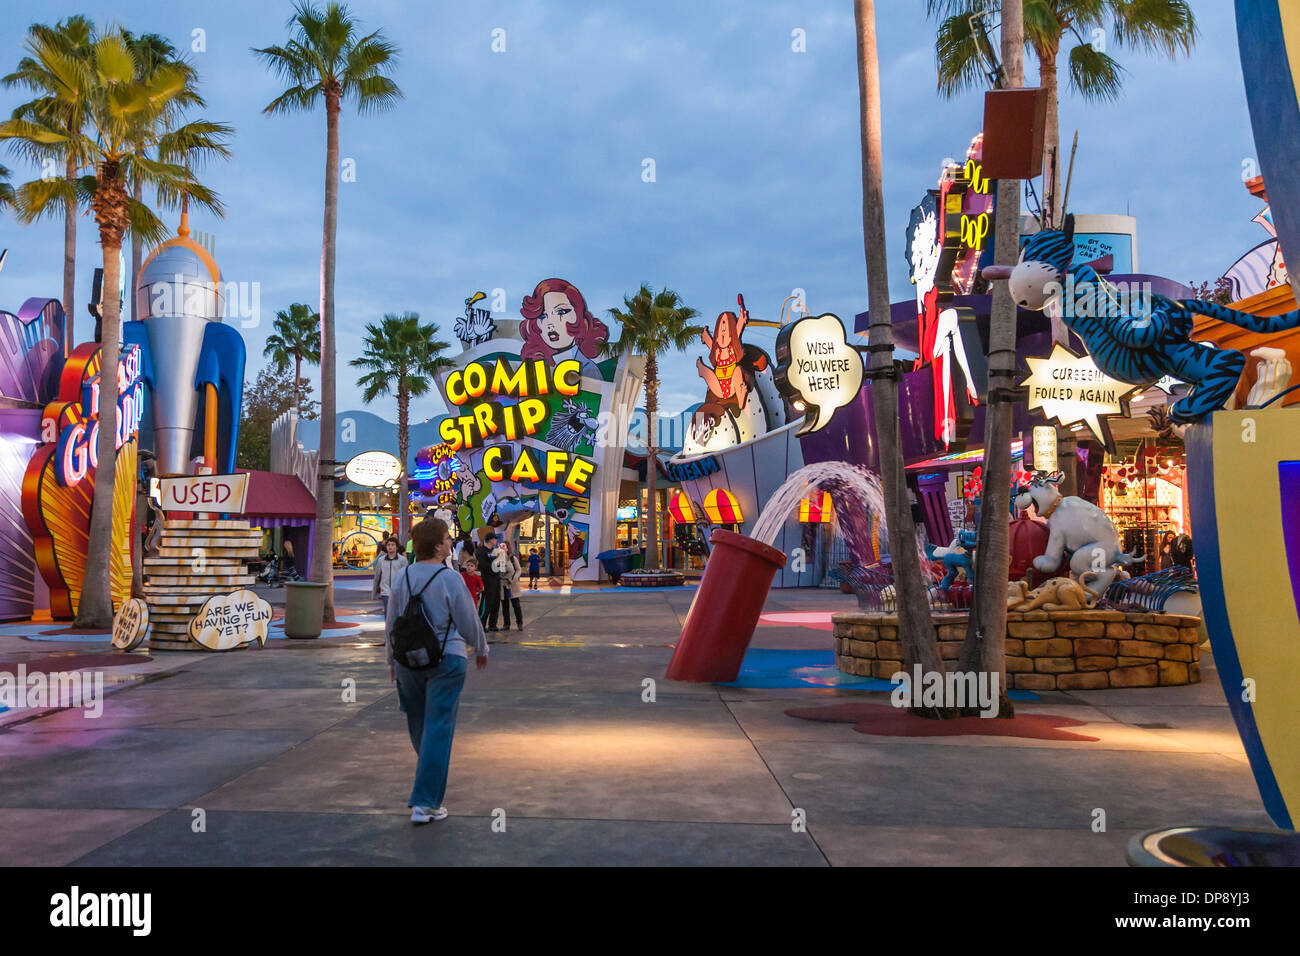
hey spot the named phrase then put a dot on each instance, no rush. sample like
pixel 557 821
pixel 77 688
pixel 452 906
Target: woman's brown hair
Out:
pixel 426 536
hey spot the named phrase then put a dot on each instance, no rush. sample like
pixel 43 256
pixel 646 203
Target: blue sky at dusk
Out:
pixel 501 169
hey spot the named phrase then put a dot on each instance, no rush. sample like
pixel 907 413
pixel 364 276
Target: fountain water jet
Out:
pixel 721 621
pixel 847 484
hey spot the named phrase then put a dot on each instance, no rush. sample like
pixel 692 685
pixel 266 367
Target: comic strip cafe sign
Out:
pixel 75 424
pixel 475 390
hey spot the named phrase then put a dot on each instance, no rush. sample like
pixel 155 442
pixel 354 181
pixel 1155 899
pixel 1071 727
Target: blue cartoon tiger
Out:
pixel 1135 349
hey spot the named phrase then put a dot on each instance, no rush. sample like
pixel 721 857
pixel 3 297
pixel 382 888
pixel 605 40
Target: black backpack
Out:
pixel 415 643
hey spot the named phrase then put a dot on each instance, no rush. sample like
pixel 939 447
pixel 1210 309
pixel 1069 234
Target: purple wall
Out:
pixel 20 434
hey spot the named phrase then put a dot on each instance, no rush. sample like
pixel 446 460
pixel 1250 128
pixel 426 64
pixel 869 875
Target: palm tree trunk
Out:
pixel 137 255
pixel 651 467
pixel 1048 78
pixel 403 445
pixel 322 565
pixel 915 628
pixel 95 609
pixel 984 649
pixel 297 384
pixel 69 260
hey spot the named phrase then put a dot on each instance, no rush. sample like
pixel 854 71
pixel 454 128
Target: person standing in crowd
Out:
pixel 1166 557
pixel 469 571
pixel 486 556
pixel 510 587
pixel 430 697
pixel 386 568
pixel 534 568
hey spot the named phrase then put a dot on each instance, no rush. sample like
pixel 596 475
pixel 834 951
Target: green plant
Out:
pixel 653 323
pixel 401 358
pixel 328 60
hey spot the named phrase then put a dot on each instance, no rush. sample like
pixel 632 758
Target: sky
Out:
pixel 499 169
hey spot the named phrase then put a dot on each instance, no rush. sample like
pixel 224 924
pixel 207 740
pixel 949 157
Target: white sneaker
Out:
pixel 425 814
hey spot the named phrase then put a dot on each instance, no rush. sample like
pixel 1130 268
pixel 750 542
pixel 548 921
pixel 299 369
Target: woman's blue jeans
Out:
pixel 430 699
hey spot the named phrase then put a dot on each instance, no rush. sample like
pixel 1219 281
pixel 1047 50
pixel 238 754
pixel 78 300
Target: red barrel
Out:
pixel 725 611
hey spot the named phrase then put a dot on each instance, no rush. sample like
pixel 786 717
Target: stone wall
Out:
pixel 1046 650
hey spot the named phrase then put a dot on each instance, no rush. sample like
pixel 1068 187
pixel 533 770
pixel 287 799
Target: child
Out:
pixel 475 584
pixel 534 568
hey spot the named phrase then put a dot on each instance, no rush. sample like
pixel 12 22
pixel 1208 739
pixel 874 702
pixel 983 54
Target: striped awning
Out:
pixel 816 509
pixel 679 506
pixel 722 508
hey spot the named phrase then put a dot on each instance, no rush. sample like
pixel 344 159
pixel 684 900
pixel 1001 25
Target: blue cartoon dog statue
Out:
pixel 1138 349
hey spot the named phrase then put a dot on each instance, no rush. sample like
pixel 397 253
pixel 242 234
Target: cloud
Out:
pixel 499 169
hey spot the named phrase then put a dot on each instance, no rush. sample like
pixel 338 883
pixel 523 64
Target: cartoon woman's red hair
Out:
pixel 587 330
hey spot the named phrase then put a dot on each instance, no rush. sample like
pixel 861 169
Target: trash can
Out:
pixel 638 560
pixel 304 609
pixel 722 618
pixel 1214 847
pixel 617 561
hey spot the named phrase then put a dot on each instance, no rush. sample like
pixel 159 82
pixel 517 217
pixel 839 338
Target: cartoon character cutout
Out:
pixel 939 328
pixel 729 371
pixel 557 326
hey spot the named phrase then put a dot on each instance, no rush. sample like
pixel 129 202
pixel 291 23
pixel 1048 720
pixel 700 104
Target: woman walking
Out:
pixel 386 568
pixel 430 697
pixel 510 587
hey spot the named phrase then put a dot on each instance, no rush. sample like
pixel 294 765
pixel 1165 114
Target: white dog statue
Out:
pixel 1077 526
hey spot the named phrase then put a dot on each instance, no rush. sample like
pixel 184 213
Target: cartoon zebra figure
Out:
pixel 1139 349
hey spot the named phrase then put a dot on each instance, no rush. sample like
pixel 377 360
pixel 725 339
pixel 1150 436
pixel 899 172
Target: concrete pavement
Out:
pixel 297 754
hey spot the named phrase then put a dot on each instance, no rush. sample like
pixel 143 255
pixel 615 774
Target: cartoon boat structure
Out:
pixel 1243 469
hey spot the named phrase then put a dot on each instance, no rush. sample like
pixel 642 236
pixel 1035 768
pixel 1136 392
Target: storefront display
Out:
pixel 527 398
pixel 1144 491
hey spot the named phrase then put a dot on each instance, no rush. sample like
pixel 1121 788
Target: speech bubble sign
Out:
pixel 130 624
pixel 230 621
pixel 817 366
pixel 1071 388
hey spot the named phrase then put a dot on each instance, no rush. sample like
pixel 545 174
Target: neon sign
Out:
pixel 435 470
pixel 77 423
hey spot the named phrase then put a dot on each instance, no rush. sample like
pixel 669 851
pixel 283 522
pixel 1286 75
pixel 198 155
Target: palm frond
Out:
pixel 957 53
pixel 1095 75
pixel 1155 26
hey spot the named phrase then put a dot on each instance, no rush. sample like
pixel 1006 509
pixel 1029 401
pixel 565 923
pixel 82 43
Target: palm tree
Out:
pixel 151 51
pixel 6 190
pixel 984 649
pixel 915 626
pixel 328 58
pixel 297 339
pixel 123 114
pixel 401 357
pixel 1153 26
pixel 652 323
pixel 58 105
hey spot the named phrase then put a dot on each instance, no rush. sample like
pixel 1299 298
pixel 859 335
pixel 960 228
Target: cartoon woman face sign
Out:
pixel 554 321
pixel 558 326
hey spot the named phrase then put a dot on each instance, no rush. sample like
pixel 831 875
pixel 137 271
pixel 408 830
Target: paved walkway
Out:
pixel 555 738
